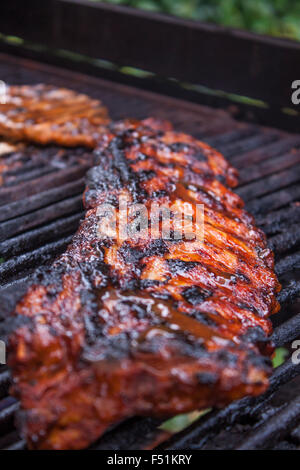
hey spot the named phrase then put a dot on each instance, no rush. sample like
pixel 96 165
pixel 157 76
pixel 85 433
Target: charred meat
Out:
pixel 146 325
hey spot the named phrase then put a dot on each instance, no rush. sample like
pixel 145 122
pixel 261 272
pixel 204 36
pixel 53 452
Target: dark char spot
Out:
pixel 194 295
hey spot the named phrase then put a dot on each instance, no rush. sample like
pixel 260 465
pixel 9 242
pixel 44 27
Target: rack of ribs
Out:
pixel 45 114
pixel 147 325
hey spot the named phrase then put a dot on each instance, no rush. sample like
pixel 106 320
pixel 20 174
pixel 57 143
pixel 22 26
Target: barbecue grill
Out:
pixel 88 47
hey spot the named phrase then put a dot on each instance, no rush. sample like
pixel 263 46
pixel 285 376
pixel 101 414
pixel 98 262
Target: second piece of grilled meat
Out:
pixel 45 114
pixel 146 326
pixel 21 161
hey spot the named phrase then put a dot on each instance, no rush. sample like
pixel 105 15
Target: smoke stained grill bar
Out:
pixel 27 261
pixel 288 263
pixel 276 427
pixel 269 184
pixel 41 199
pixel 280 146
pixel 11 194
pixel 40 202
pixel 17 245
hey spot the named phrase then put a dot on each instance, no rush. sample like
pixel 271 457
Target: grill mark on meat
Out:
pixel 194 295
pixel 155 327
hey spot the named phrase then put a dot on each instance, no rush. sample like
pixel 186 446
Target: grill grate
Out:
pixel 40 200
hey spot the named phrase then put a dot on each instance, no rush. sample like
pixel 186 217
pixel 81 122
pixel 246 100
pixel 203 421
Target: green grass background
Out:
pixel 274 17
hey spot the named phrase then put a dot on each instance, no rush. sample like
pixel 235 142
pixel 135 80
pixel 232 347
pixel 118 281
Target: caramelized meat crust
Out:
pixel 44 114
pixel 145 325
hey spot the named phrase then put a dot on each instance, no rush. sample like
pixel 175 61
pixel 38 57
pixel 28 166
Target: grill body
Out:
pixel 40 202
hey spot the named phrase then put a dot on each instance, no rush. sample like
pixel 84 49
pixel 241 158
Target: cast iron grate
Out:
pixel 40 201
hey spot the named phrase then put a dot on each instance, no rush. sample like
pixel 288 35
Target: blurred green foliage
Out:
pixel 179 422
pixel 274 17
pixel 280 356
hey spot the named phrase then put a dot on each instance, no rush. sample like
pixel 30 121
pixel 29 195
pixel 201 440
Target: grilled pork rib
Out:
pixel 146 326
pixel 44 114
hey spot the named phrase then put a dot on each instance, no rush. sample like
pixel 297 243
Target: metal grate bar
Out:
pixel 8 408
pixel 288 263
pixel 295 435
pixel 28 176
pixel 289 292
pixel 9 439
pixel 9 294
pixel 36 237
pixel 42 199
pixel 21 224
pixel 246 145
pixel 269 167
pixel 19 445
pixel 23 190
pixel 132 434
pixel 274 429
pixel 232 136
pixel 285 241
pixel 11 175
pixel 275 200
pixel 12 268
pixel 269 184
pixel 277 221
pixel 4 383
pixel 287 332
pixel 267 152
pixel 208 130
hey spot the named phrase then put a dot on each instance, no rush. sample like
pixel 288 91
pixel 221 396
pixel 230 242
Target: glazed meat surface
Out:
pixel 146 325
pixel 44 114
